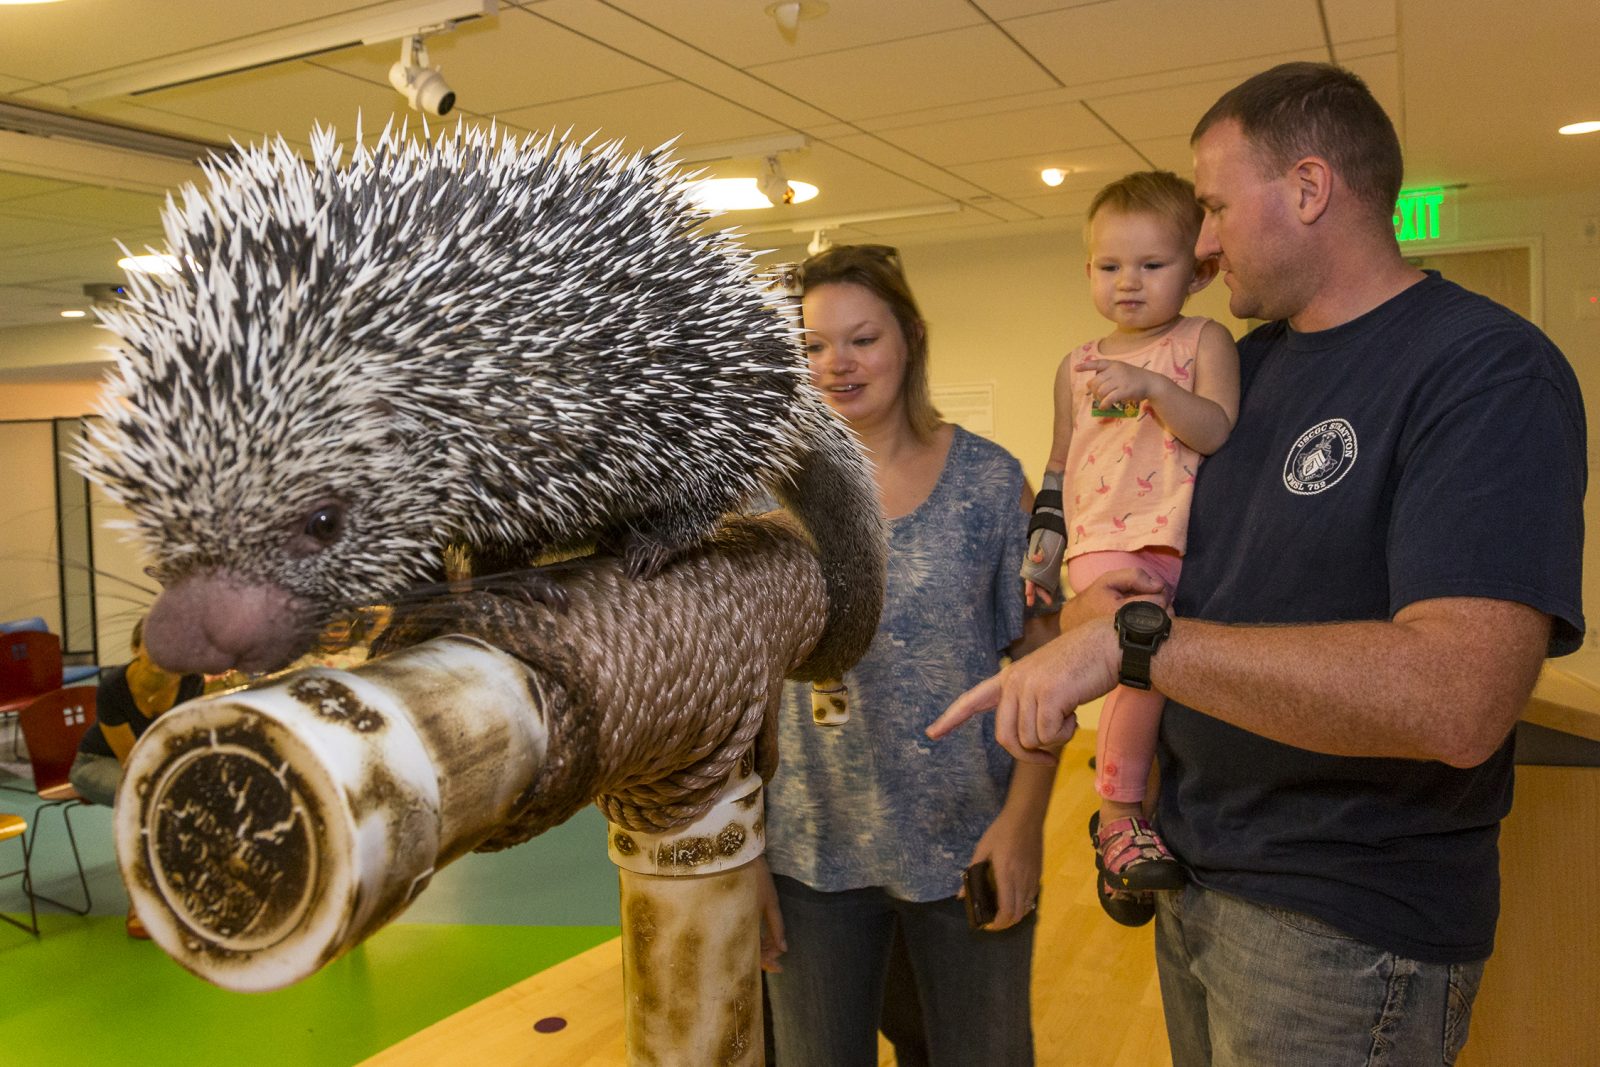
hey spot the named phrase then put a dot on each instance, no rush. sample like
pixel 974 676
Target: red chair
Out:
pixel 53 725
pixel 30 666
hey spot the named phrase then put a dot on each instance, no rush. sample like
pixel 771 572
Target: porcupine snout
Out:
pixel 212 623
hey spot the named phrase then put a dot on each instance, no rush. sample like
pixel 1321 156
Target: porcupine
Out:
pixel 519 345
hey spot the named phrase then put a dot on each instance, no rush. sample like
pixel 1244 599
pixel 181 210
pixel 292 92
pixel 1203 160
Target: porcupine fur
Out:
pixel 520 345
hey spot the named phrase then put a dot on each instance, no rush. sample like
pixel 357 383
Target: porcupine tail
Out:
pixel 834 497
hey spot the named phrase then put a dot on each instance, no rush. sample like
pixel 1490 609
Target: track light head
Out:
pixel 774 183
pixel 422 85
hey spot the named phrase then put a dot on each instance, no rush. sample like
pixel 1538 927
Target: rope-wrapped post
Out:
pixel 264 832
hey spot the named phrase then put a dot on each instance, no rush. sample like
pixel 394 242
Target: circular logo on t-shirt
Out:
pixel 1320 457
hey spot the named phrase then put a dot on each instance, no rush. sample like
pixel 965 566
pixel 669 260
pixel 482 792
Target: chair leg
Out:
pixel 66 807
pixel 32 926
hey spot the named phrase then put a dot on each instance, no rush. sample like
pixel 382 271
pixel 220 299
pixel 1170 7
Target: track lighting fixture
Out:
pixel 422 85
pixel 774 183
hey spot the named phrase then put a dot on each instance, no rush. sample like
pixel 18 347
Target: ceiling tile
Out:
pixel 1001 135
pixel 104 36
pixel 289 98
pixel 740 32
pixel 93 205
pixel 1353 20
pixel 1010 9
pixel 25 230
pixel 941 68
pixel 1166 112
pixel 1169 153
pixel 648 116
pixel 933 178
pixel 13 186
pixel 1083 45
pixel 1059 204
pixel 1089 168
pixel 85 261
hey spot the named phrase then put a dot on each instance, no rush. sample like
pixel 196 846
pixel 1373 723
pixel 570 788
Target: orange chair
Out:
pixel 53 725
pixel 16 826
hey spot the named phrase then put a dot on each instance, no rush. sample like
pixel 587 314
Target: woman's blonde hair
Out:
pixel 876 268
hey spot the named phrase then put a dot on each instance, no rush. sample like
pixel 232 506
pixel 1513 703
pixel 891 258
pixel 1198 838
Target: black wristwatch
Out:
pixel 1141 627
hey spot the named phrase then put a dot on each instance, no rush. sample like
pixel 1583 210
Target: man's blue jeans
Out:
pixel 1245 985
pixel 972 986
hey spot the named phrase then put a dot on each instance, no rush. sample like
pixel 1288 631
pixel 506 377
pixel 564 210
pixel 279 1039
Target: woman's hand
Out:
pixel 1014 844
pixel 1115 382
pixel 772 943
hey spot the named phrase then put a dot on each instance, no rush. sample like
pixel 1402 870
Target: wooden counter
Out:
pixel 1540 1001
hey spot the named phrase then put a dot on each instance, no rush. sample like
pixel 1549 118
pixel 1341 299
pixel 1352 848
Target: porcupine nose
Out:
pixel 212 623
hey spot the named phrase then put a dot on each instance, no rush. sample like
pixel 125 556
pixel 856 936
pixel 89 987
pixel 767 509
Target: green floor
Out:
pixel 83 993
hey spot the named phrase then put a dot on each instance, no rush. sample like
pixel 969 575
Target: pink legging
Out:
pixel 1129 718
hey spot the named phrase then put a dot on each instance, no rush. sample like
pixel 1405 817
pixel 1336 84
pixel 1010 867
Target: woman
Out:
pixel 870 825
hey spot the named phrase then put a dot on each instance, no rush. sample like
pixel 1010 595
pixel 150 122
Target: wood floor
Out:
pixel 1095 1000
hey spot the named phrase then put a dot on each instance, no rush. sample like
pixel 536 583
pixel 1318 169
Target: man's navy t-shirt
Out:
pixel 1433 447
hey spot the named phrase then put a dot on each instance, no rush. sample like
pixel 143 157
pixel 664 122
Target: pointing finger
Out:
pixel 980 698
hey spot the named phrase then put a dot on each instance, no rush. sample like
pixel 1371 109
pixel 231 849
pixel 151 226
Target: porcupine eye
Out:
pixel 324 524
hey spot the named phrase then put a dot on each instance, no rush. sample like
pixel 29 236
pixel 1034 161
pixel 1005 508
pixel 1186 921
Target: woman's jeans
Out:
pixel 970 987
pixel 1246 985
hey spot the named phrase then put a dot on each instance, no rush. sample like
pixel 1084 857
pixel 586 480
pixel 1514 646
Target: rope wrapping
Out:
pixel 656 688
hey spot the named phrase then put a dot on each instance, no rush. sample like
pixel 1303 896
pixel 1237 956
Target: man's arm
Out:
pixel 1445 679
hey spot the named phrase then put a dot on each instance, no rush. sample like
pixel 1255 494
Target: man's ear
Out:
pixel 1312 179
pixel 1205 272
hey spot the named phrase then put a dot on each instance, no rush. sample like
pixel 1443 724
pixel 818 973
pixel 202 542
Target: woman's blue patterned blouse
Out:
pixel 874 802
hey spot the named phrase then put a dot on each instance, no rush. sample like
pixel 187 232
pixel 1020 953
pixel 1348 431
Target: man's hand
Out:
pixel 1035 699
pixel 1109 592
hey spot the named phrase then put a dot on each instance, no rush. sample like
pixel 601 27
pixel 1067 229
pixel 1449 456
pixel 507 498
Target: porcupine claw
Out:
pixel 534 589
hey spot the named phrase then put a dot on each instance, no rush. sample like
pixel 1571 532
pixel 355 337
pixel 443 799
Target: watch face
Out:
pixel 1141 616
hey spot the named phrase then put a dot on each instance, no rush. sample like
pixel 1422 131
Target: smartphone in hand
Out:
pixel 982 897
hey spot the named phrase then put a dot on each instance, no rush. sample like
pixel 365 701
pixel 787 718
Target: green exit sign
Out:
pixel 1418 215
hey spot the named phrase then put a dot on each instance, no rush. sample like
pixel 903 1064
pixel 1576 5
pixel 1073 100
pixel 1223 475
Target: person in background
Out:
pixel 1379 562
pixel 1136 411
pixel 127 700
pixel 869 827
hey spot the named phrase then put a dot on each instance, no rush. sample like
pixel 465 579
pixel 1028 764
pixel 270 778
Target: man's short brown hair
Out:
pixel 1317 109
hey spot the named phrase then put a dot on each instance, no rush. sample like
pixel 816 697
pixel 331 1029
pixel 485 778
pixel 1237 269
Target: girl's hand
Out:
pixel 1115 382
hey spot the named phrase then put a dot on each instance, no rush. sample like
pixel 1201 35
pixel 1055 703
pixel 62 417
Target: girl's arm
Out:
pixel 1061 434
pixel 1201 419
pixel 1204 418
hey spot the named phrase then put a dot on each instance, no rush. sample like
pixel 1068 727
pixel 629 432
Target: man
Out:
pixel 1379 560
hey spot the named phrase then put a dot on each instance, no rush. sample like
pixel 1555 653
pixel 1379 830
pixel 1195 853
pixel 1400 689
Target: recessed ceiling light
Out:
pixel 74 313
pixel 1580 127
pixel 741 194
pixel 154 264
pixel 1052 176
